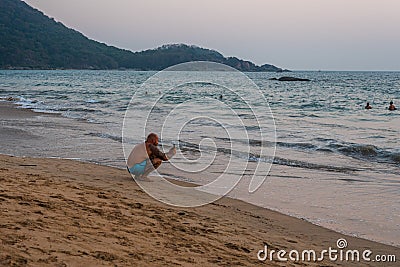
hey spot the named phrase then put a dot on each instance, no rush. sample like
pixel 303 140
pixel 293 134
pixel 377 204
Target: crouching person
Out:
pixel 146 157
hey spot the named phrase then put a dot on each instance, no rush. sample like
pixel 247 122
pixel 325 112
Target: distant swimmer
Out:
pixel 220 97
pixel 392 106
pixel 368 106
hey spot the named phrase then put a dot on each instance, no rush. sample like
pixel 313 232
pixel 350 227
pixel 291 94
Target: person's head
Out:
pixel 391 102
pixel 152 139
pixel 367 103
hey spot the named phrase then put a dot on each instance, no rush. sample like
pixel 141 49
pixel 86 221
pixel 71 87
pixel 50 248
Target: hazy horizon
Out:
pixel 291 34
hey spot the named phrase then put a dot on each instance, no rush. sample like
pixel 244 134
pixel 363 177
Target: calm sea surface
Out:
pixel 336 164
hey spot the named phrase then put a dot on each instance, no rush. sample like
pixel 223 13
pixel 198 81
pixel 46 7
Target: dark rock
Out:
pixel 290 79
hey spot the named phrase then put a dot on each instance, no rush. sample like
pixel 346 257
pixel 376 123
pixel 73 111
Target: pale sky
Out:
pixel 292 34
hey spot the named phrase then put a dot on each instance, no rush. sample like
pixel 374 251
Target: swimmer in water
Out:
pixel 392 106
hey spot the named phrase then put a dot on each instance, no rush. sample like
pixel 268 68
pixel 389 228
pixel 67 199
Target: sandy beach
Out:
pixel 58 212
pixel 65 213
pixel 209 133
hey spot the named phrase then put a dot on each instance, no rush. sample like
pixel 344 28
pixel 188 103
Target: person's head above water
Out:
pixel 152 139
pixel 391 102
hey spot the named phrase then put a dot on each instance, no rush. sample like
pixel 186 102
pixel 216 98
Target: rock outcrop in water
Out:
pixel 290 79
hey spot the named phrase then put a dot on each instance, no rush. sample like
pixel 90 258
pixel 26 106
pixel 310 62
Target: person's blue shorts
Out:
pixel 138 168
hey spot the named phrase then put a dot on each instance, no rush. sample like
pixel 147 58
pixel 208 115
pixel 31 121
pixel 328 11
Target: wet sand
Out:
pixel 56 212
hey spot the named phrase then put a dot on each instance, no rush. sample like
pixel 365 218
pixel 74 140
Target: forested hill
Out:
pixel 29 39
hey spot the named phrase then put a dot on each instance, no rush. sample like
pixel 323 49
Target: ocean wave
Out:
pixel 312 105
pixel 308 165
pixel 83 109
pixel 366 152
pixel 252 157
pixel 9 98
pixel 106 136
pixel 94 101
pixel 301 146
pixel 64 109
pixel 57 84
pixel 357 150
pixel 98 92
pixel 22 100
pixel 395 157
pixel 253 142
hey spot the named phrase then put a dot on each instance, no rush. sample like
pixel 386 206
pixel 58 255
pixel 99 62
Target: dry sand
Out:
pixel 66 213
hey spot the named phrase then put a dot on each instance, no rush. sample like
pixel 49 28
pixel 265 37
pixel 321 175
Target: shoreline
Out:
pixel 10 109
pixel 65 211
pixel 326 237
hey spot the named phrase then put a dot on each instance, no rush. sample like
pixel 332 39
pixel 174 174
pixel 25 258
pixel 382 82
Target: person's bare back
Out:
pixel 146 157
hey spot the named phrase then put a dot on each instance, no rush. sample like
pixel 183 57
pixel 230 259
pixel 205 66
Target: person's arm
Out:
pixel 171 152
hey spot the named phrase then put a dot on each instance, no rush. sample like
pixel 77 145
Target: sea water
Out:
pixel 336 164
